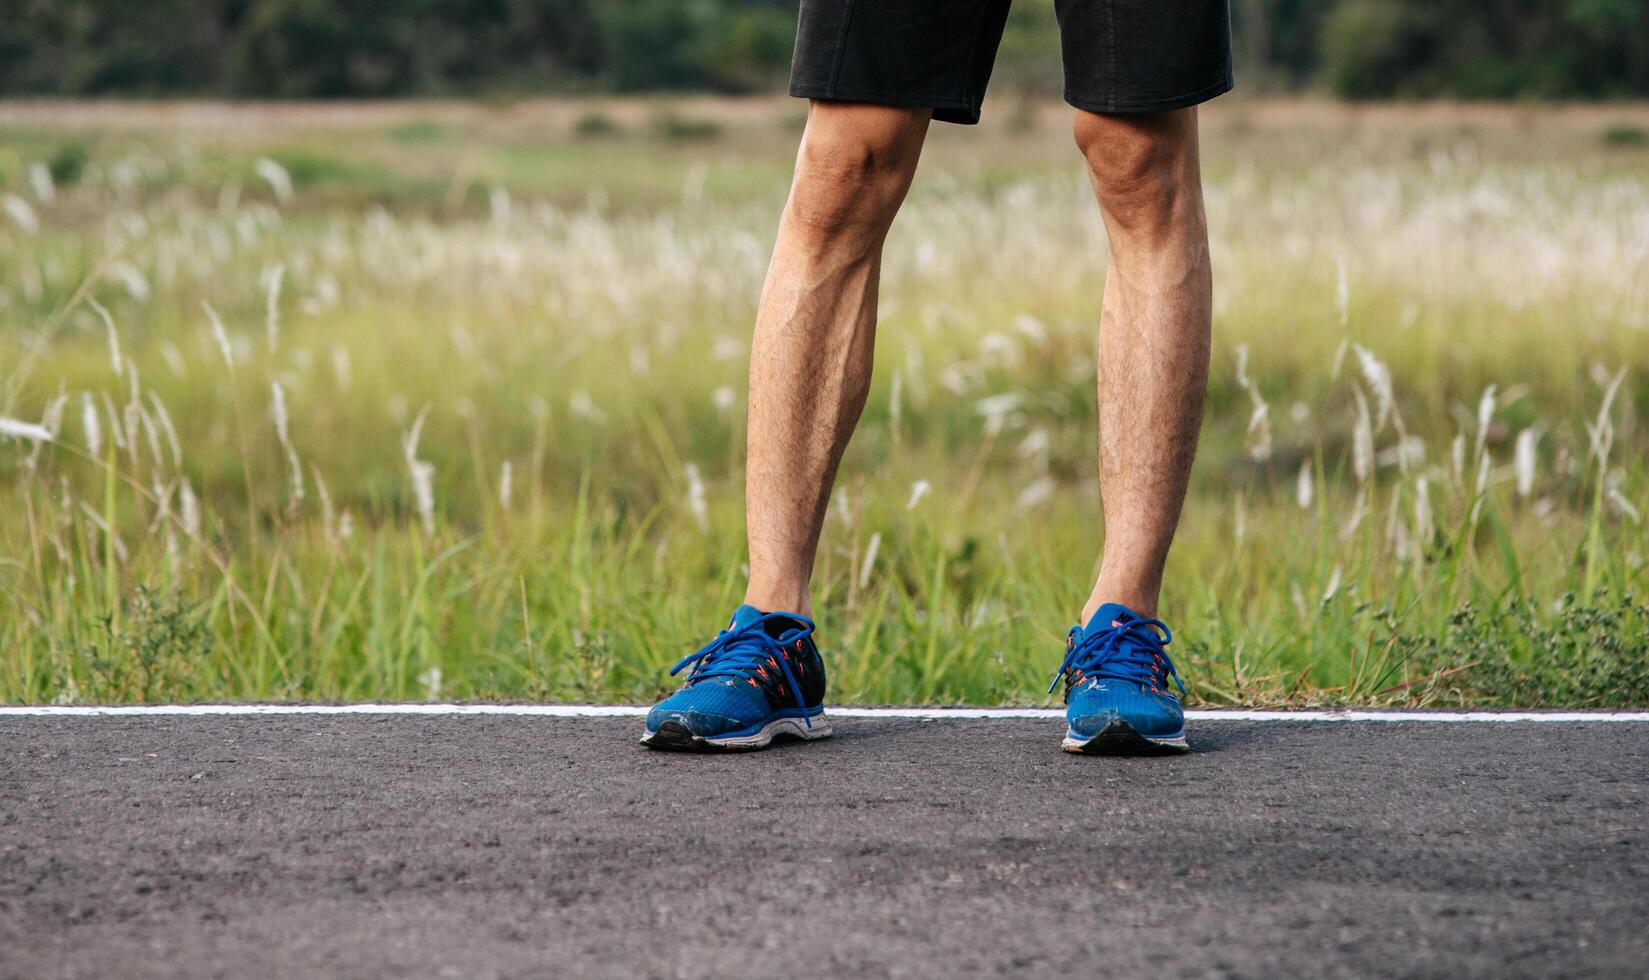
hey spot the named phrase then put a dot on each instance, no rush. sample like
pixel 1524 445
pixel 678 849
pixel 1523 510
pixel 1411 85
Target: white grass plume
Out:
pixel 580 403
pixel 422 474
pixel 431 680
pixel 1523 461
pixel 90 425
pixel 116 431
pixel 838 500
pixel 272 307
pixel 173 357
pixel 1036 447
pixel 1362 439
pixel 329 523
pixel 188 508
pixel 1333 587
pixel 695 498
pixel 1378 377
pixel 1601 433
pixel 1397 531
pixel 1618 502
pixel 51 423
pixel 1259 419
pixel 115 362
pixel 137 285
pixel 1424 524
pixel 275 175
pixel 1035 492
pixel 20 212
pixel 1485 415
pixel 165 419
pixel 871 549
pixel 220 335
pixel 40 181
pixel 1259 429
pixel 277 411
pixel 28 431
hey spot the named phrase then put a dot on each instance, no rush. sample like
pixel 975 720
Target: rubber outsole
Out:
pixel 1120 738
pixel 674 736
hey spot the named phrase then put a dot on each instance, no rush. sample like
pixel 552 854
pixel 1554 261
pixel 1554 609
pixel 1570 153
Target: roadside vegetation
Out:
pixel 287 49
pixel 447 402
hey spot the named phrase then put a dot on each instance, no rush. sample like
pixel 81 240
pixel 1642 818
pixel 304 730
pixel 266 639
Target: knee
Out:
pixel 1142 166
pixel 854 167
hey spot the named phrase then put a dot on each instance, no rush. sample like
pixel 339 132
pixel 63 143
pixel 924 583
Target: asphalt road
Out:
pixel 512 847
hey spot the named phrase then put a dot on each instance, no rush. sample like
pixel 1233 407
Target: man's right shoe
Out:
pixel 1116 674
pixel 761 678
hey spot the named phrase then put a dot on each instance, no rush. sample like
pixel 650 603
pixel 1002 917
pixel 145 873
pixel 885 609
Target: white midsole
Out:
pixel 819 728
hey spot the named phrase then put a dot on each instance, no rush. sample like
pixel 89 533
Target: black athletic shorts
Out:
pixel 1120 55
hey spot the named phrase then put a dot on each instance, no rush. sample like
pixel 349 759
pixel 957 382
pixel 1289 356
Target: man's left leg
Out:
pixel 1153 367
pixel 1153 340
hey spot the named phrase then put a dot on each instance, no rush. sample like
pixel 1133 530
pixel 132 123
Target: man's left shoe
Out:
pixel 1116 675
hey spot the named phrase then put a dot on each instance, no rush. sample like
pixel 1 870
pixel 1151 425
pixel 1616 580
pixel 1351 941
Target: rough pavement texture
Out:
pixel 506 847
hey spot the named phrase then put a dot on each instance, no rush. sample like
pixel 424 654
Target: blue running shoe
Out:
pixel 759 679
pixel 1116 674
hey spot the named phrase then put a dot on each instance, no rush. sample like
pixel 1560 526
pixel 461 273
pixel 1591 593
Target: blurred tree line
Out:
pixel 319 48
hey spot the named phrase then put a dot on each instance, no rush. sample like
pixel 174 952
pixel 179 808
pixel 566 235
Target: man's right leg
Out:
pixel 811 357
pixel 762 677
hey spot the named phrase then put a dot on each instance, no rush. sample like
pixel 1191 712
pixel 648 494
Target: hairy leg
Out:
pixel 810 360
pixel 1153 339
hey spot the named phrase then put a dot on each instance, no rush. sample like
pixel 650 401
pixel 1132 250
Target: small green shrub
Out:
pixel 67 163
pixel 418 132
pixel 595 124
pixel 680 129
pixel 151 655
pixel 310 169
pixel 1591 655
pixel 1625 134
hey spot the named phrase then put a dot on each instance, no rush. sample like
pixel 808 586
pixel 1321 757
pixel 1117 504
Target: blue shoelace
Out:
pixel 1128 651
pixel 741 652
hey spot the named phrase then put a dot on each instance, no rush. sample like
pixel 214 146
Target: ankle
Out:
pixel 769 600
pixel 1142 602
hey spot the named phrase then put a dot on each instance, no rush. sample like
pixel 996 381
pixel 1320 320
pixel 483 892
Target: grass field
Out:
pixel 438 400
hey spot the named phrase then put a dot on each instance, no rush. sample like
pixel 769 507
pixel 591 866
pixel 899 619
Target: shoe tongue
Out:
pixel 1109 615
pixel 744 616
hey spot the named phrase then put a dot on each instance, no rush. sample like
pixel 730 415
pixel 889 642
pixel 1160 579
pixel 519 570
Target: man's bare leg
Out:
pixel 1153 340
pixel 811 358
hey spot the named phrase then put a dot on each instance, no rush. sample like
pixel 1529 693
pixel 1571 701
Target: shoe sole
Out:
pixel 673 735
pixel 1120 738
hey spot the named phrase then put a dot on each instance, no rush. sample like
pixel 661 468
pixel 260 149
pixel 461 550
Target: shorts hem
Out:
pixel 1154 105
pixel 945 108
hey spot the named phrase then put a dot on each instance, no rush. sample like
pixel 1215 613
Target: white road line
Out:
pixel 636 711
